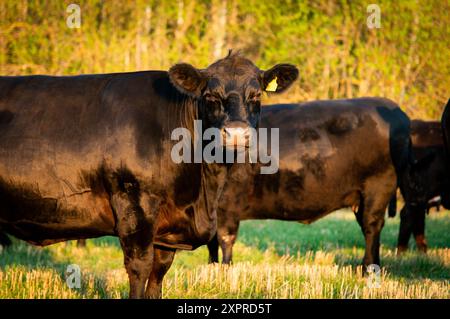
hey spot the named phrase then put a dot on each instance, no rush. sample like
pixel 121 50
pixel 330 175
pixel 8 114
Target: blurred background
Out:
pixel 407 59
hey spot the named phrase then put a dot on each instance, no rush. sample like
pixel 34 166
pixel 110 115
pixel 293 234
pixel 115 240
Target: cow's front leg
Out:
pixel 406 225
pixel 213 249
pixel 373 223
pixel 162 260
pixel 376 199
pixel 135 220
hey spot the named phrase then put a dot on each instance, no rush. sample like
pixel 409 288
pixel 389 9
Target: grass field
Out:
pixel 273 259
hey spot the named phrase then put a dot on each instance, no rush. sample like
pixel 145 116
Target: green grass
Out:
pixel 272 259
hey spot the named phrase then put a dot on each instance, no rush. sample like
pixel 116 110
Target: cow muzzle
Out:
pixel 236 135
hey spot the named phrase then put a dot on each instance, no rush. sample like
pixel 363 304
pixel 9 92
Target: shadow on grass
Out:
pixel 332 233
pixel 342 236
pixel 410 266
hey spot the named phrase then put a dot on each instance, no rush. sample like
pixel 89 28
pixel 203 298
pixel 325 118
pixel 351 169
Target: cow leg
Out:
pixel 377 195
pixel 227 237
pixel 135 230
pixel 419 230
pixel 162 260
pixel 373 222
pixel 213 249
pixel 406 226
pixel 81 243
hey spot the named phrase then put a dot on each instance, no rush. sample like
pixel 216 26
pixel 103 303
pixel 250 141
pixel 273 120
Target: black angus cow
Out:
pixel 428 179
pixel 88 156
pixel 333 154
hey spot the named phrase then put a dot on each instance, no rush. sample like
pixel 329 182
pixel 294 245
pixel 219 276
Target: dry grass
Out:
pixel 333 272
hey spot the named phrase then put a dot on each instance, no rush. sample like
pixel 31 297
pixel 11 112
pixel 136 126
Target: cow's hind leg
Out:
pixel 162 260
pixel 135 231
pixel 377 194
pixel 406 226
pixel 373 222
pixel 213 249
pixel 81 243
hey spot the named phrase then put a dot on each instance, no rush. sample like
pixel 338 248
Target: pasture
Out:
pixel 272 259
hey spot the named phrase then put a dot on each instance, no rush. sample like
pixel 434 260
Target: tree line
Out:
pixel 407 59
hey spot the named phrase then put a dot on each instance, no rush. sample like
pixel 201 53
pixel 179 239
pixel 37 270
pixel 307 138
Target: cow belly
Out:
pixel 28 215
pixel 304 206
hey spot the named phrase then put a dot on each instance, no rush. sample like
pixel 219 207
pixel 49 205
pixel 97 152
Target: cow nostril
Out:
pixel 227 131
pixel 236 135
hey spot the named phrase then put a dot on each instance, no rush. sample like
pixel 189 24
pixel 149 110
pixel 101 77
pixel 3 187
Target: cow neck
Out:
pixel 213 180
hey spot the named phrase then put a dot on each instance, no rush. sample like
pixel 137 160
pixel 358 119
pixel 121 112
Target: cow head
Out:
pixel 229 91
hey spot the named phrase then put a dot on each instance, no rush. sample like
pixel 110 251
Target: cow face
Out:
pixel 229 92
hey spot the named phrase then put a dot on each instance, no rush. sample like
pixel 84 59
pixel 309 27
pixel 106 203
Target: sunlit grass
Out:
pixel 272 259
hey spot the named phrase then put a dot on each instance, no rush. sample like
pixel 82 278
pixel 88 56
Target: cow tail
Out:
pixel 402 155
pixel 403 179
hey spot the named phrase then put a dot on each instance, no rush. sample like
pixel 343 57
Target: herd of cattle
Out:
pixel 88 156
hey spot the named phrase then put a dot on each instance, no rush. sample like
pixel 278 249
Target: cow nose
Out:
pixel 236 134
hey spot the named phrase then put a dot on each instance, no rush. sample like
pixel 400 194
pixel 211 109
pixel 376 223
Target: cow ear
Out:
pixel 187 79
pixel 279 78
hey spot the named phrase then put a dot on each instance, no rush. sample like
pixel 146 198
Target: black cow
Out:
pixel 333 154
pixel 427 179
pixel 88 156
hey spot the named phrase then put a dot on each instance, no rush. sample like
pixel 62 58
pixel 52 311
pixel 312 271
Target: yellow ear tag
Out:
pixel 272 86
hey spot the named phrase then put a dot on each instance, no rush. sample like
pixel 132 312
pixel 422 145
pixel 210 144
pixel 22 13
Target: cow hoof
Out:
pixel 153 295
pixel 401 250
pixel 422 249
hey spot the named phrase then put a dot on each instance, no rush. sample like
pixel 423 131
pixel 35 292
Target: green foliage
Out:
pixel 407 59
